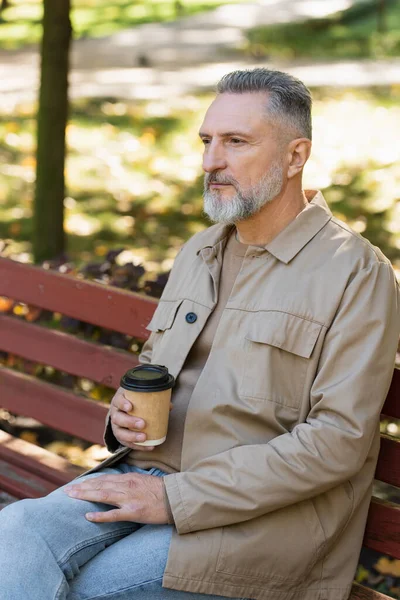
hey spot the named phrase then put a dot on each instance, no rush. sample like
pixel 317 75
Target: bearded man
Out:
pixel 280 326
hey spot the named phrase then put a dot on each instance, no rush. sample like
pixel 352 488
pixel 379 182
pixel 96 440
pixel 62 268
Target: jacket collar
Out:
pixel 288 242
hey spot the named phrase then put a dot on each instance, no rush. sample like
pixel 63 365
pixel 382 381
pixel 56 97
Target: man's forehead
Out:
pixel 235 111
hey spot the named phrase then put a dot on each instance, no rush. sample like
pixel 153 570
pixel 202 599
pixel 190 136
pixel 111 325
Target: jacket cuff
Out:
pixel 110 440
pixel 171 520
pixel 176 504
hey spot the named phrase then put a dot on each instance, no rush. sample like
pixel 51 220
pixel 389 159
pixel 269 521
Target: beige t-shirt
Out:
pixel 167 456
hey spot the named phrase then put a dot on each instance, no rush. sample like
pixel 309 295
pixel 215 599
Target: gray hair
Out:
pixel 289 100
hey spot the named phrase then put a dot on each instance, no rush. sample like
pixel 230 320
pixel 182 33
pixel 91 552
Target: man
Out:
pixel 280 325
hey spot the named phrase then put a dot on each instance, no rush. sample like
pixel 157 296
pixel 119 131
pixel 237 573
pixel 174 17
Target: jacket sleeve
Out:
pixel 332 445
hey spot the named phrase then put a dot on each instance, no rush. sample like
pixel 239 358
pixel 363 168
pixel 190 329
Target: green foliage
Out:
pixel 355 197
pixel 352 33
pixel 134 176
pixel 21 23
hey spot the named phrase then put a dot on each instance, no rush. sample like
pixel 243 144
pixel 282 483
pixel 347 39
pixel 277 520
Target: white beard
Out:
pixel 243 204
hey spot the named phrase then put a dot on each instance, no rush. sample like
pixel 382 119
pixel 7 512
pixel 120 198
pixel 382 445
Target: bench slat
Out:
pixel 383 527
pixel 388 468
pixel 359 592
pixel 22 484
pixel 65 352
pixel 52 405
pixel 36 460
pixel 116 309
pixel 392 403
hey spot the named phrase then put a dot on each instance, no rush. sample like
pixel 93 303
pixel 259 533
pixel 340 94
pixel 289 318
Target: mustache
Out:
pixel 217 178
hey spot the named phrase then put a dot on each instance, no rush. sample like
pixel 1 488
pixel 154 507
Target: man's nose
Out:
pixel 213 158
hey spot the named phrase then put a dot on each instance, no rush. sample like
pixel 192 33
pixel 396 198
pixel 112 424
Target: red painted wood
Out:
pixel 388 468
pixel 383 528
pixel 392 404
pixel 359 592
pixel 65 352
pixel 52 405
pixel 36 460
pixel 119 310
pixel 22 484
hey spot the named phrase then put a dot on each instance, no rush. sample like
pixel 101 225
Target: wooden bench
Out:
pixel 25 469
pixel 29 471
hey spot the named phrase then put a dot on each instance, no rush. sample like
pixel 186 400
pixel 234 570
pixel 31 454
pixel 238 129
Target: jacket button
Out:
pixel 191 317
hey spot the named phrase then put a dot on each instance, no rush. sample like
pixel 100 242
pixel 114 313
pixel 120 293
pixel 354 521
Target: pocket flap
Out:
pixel 164 315
pixel 285 331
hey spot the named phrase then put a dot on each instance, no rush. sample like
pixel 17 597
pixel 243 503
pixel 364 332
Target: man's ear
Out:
pixel 298 152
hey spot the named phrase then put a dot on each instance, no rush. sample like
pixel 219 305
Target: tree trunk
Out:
pixel 4 4
pixel 48 220
pixel 382 16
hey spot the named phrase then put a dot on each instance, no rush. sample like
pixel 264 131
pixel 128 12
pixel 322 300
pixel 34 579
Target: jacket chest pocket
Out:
pixel 160 325
pixel 278 348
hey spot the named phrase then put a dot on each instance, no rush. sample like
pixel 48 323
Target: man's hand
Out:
pixel 126 428
pixel 139 498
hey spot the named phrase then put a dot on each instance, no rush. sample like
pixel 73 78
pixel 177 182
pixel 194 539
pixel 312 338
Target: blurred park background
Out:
pixel 141 75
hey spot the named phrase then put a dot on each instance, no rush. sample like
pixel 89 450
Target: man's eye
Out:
pixel 236 141
pixel 205 141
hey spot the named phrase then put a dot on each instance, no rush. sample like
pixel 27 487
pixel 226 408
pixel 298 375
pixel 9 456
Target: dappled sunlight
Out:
pixel 350 131
pixel 123 224
pixel 354 138
pixel 129 256
pixel 134 176
pixel 21 21
pixel 316 8
pixel 81 225
pixel 22 172
pixel 347 73
pixel 251 15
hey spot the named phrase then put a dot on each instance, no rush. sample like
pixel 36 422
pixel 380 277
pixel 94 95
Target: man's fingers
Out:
pixel 110 516
pixel 126 428
pixel 119 401
pixel 95 483
pixel 126 437
pixel 129 438
pixel 106 481
pixel 105 496
pixel 127 421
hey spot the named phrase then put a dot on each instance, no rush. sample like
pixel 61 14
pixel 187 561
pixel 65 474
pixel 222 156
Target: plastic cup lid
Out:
pixel 147 378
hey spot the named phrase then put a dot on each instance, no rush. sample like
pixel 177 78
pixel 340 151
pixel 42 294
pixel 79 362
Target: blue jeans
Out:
pixel 49 551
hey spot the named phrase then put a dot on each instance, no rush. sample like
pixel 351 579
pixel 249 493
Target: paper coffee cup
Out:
pixel 149 388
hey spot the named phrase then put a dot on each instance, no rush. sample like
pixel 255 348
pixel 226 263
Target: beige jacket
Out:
pixel 282 431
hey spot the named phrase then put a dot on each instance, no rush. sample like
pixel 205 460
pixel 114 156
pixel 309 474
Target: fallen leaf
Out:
pixel 385 566
pixel 6 304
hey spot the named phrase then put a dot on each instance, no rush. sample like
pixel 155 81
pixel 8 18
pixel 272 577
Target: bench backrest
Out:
pixel 128 313
pixel 114 309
